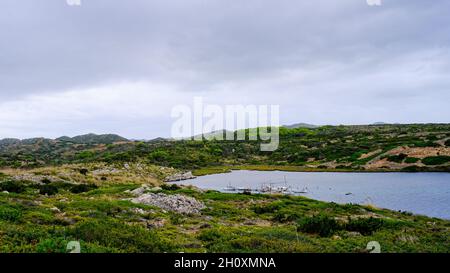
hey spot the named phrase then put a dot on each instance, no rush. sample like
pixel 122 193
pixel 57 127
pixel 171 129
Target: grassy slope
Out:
pixel 286 168
pixel 354 148
pixel 104 222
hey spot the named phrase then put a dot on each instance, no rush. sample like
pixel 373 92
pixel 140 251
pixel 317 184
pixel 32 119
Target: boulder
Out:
pixel 178 203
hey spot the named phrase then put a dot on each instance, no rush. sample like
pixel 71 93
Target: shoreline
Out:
pixel 253 190
pixel 293 168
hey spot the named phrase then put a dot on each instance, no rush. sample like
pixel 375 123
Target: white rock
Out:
pixel 177 203
pixel 139 191
pixel 154 189
pixel 55 209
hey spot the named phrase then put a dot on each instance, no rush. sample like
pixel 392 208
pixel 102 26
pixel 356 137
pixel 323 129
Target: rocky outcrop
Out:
pixel 180 177
pixel 144 188
pixel 38 179
pixel 178 203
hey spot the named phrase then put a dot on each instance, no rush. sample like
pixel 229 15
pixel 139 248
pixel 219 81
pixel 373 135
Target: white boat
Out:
pixel 304 190
pixel 229 188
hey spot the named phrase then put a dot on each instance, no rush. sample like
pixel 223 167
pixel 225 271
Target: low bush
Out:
pixel 286 215
pixel 84 171
pixel 210 235
pixel 46 181
pixel 397 158
pixel 412 169
pixel 365 226
pixel 54 245
pixel 10 214
pixel 13 186
pixel 267 208
pixel 83 188
pixel 322 225
pixel 436 160
pixel 411 160
pixel 48 189
pixel 170 187
pixel 118 235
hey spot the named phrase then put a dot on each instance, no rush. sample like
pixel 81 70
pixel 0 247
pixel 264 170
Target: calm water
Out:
pixel 420 193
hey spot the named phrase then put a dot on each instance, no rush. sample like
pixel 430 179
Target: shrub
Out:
pixel 10 214
pixel 170 187
pixel 447 143
pixel 118 235
pixel 411 160
pixel 210 235
pixel 412 169
pixel 62 185
pixel 54 245
pixel 397 158
pixel 83 188
pixel 12 186
pixel 46 181
pixel 85 155
pixel 286 215
pixel 436 160
pixel 323 225
pixel 176 219
pixel 365 226
pixel 48 189
pixel 84 171
pixel 269 208
pixel 159 156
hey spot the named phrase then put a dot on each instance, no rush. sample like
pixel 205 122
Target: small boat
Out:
pixel 229 188
pixel 266 189
pixel 304 190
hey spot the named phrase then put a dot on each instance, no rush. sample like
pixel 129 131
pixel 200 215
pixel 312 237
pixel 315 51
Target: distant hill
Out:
pixel 380 123
pixel 9 141
pixel 212 135
pixel 82 139
pixel 93 139
pixel 345 147
pixel 158 139
pixel 301 125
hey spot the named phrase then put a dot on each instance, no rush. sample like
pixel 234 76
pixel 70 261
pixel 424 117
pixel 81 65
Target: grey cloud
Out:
pixel 310 50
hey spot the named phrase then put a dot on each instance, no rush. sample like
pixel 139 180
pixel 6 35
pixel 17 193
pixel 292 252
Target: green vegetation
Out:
pixel 48 189
pixel 44 217
pixel 322 225
pixel 412 160
pixel 349 148
pixel 397 158
pixel 436 160
pixel 12 186
pixel 56 191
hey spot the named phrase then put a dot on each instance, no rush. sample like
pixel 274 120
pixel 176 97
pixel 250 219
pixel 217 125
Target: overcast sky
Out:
pixel 119 66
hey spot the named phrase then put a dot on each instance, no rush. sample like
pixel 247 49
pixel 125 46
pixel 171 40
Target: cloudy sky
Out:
pixel 119 66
